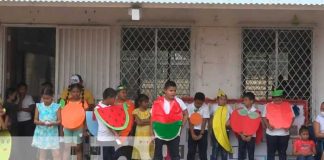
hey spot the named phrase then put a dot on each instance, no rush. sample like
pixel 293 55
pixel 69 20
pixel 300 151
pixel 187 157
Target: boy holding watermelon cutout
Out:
pixel 169 114
pixel 106 136
pixel 246 123
pixel 198 136
pixel 278 117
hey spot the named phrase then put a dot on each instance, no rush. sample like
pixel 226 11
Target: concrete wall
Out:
pixel 216 37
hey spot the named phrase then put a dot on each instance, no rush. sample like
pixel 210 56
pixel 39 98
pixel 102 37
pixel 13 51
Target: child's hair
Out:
pixel 48 84
pixel 169 84
pixel 303 129
pixel 47 92
pixel 140 98
pixel 109 93
pixel 9 92
pixel 199 96
pixel 22 84
pixel 249 95
pixel 72 86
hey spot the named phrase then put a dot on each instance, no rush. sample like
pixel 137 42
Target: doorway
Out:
pixel 30 57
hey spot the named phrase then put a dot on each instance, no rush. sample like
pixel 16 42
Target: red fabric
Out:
pixel 279 115
pixel 159 115
pixel 302 146
pixel 244 124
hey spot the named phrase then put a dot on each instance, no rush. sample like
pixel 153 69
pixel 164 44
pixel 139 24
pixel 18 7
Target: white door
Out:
pixel 84 51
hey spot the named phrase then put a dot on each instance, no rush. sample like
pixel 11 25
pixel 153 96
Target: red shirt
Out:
pixel 302 146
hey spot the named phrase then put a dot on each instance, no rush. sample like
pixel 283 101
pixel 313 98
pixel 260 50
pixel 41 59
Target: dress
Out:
pixel 142 141
pixel 46 137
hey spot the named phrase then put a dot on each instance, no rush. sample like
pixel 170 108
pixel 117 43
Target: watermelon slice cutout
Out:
pixel 114 117
pixel 246 123
pixel 167 131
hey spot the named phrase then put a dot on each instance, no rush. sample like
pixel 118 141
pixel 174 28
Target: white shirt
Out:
pixel 214 107
pixel 23 116
pixel 320 119
pixel 276 132
pixel 167 107
pixel 104 133
pixel 203 111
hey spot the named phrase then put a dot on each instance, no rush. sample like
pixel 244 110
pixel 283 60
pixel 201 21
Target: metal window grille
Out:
pixel 277 58
pixel 151 56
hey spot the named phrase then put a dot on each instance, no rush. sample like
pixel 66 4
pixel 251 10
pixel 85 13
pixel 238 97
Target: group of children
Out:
pixel 165 121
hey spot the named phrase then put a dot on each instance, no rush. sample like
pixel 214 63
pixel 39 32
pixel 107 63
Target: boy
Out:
pixel 169 114
pixel 106 136
pixel 247 142
pixel 198 133
pixel 304 148
pixel 220 114
pixel 278 117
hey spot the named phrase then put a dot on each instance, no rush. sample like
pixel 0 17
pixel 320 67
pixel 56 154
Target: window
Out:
pixel 151 56
pixel 277 58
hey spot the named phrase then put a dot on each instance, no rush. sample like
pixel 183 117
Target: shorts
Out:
pixel 73 136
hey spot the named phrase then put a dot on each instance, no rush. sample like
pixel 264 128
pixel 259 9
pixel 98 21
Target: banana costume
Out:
pixel 219 125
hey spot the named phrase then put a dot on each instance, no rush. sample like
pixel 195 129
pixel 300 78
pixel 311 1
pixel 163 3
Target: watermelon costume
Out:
pixel 114 117
pixel 130 109
pixel 279 115
pixel 166 126
pixel 247 123
pixel 219 128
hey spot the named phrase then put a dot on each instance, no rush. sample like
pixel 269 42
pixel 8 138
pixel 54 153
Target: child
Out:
pixel 198 136
pixel 73 126
pixel 47 118
pixel 220 114
pixel 169 114
pixel 106 136
pixel 11 110
pixel 247 138
pixel 278 125
pixel 142 136
pixel 3 116
pixel 304 148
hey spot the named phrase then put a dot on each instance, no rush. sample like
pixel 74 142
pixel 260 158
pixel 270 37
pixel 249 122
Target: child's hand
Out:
pixel 248 138
pixel 243 137
pixel 270 127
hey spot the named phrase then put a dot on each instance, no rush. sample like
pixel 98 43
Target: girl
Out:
pixel 304 148
pixel 11 110
pixel 73 115
pixel 142 118
pixel 47 118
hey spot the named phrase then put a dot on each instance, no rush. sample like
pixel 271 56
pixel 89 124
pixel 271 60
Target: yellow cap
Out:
pixel 220 93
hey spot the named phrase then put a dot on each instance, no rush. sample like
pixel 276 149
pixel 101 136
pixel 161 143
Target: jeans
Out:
pixel 217 148
pixel 108 150
pixel 201 144
pixel 246 146
pixel 305 158
pixel 173 148
pixel 277 143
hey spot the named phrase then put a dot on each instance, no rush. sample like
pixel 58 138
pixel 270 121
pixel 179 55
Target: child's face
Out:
pixel 304 135
pixel 22 90
pixel 144 104
pixel 75 93
pixel 122 94
pixel 170 92
pixel 198 103
pixel 222 100
pixel 322 108
pixel 109 101
pixel 247 101
pixel 47 99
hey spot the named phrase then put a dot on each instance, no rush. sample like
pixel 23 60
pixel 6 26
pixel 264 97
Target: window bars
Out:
pixel 151 56
pixel 277 58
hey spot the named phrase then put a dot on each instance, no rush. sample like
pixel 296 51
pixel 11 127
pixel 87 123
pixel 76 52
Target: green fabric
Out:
pixel 253 115
pixel 243 112
pixel 277 93
pixel 167 131
pixel 110 126
pixel 62 103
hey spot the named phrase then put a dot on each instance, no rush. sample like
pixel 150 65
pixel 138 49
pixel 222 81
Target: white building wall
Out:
pixel 217 38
